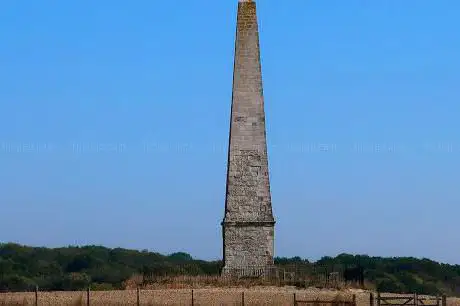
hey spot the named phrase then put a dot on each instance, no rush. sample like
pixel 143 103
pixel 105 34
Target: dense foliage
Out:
pixel 396 274
pixel 72 268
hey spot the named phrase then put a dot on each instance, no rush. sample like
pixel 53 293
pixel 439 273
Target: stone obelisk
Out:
pixel 248 225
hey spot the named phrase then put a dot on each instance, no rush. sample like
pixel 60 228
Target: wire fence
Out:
pixel 211 296
pixel 175 297
pixel 337 276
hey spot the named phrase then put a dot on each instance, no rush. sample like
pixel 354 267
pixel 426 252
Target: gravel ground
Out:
pixel 218 296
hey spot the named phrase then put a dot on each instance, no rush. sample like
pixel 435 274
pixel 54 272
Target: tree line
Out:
pixel 75 268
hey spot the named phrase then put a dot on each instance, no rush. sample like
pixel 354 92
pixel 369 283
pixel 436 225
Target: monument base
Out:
pixel 248 248
pixel 264 272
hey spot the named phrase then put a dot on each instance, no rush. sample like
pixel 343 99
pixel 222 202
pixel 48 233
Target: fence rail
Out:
pixel 326 302
pixel 409 300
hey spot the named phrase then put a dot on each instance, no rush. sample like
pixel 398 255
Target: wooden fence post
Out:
pixel 371 299
pixel 193 302
pixel 138 296
pixel 87 296
pixel 415 299
pixel 242 298
pixel 378 298
pixel 295 274
pixel 354 299
pixel 295 299
pixel 36 295
pixel 444 300
pixel 279 278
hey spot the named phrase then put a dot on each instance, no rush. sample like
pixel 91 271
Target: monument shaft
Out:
pixel 248 225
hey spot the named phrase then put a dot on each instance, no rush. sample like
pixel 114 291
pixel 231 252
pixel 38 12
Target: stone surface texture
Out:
pixel 248 225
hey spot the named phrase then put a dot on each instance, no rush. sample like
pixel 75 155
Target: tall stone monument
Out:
pixel 248 225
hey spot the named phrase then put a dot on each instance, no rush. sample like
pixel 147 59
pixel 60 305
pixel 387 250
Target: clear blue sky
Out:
pixel 115 118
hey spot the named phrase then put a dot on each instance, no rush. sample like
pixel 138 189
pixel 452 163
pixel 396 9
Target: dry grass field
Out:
pixel 210 296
